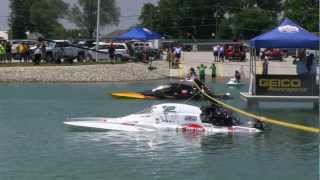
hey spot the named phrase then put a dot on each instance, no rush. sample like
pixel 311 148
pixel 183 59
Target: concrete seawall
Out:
pixel 84 73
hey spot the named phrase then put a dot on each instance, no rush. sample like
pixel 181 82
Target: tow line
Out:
pixel 260 118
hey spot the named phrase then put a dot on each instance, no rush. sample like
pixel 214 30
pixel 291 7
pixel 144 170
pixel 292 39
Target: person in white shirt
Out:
pixel 215 52
pixel 177 51
pixel 221 53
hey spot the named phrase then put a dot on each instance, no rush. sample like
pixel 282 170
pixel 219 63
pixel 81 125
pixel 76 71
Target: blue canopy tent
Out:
pixel 139 33
pixel 287 35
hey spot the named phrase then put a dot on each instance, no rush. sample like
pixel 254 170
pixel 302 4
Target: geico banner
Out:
pixel 286 85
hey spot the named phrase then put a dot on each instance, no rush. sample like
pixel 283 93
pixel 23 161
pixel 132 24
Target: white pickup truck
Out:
pixel 58 51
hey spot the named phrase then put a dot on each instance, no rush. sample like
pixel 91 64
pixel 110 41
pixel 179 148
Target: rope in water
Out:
pixel 261 118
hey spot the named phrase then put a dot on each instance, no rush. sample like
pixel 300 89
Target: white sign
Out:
pixel 288 29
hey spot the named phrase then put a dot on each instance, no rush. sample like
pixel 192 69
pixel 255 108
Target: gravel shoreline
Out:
pixel 84 73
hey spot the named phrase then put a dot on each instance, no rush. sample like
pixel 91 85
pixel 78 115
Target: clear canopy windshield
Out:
pixel 145 111
pixel 162 88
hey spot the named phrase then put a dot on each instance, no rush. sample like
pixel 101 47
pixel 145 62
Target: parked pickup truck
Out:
pixel 61 50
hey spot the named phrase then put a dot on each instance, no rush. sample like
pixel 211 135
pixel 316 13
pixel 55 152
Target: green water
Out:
pixel 34 144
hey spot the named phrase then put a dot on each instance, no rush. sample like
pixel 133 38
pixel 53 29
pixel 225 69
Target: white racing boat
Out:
pixel 168 116
pixel 234 82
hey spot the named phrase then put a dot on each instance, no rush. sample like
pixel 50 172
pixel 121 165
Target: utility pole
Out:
pixel 216 17
pixel 98 29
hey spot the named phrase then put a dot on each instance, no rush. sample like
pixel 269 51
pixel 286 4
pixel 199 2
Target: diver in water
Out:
pixel 258 125
pixel 237 76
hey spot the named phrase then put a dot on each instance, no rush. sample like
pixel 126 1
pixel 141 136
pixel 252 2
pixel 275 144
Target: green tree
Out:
pixel 168 17
pixel 304 12
pixel 270 5
pixel 184 18
pixel 201 18
pixel 44 16
pixel 19 18
pixel 149 16
pixel 225 29
pixel 251 22
pixel 84 15
pixel 39 16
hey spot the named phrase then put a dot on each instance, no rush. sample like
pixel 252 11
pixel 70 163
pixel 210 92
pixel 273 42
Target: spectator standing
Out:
pixel 43 50
pixel 37 55
pixel 8 52
pixel 265 66
pixel 213 71
pixel 19 50
pixel 2 52
pixel 310 62
pixel 112 53
pixel 202 72
pixel 215 52
pixel 146 53
pixel 221 53
pixel 177 51
pixel 262 53
pixel 22 51
pixel 25 53
pixel 301 67
pixel 169 57
pixel 229 52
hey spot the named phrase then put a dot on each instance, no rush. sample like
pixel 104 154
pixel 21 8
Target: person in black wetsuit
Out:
pixel 237 76
pixel 217 116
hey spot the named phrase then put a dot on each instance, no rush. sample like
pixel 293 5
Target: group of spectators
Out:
pixel 174 55
pixel 305 62
pixel 20 51
pixel 218 52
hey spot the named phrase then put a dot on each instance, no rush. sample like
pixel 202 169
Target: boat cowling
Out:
pixel 176 113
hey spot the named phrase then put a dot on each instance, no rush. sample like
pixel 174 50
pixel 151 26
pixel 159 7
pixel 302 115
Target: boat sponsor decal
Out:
pixel 190 118
pixel 167 109
pixel 193 127
pixel 184 91
pixel 167 119
pixel 286 85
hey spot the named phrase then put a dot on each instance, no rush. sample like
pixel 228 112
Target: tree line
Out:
pixel 200 19
pixel 221 19
pixel 44 17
